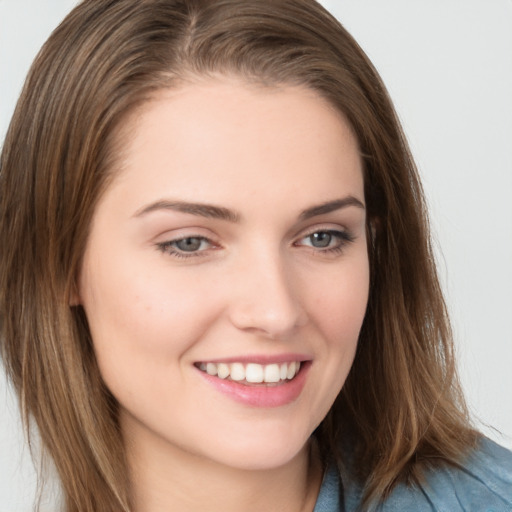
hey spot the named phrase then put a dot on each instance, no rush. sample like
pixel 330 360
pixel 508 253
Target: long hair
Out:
pixel 401 406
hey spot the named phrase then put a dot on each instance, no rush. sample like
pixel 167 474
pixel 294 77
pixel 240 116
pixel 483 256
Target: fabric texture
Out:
pixel 482 484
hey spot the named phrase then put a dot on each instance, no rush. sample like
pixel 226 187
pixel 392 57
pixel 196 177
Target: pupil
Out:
pixel 321 239
pixel 189 244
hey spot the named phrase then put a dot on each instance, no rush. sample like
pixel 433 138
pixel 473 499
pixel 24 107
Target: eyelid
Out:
pixel 179 233
pixel 343 235
pixel 166 245
pixel 325 227
pixel 168 241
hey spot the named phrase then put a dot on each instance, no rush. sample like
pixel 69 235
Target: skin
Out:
pixel 257 285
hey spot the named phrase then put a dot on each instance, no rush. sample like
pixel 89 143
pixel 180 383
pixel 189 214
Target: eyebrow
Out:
pixel 203 210
pixel 331 206
pixel 218 212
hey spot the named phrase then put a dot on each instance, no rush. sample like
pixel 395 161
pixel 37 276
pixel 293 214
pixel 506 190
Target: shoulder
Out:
pixel 482 483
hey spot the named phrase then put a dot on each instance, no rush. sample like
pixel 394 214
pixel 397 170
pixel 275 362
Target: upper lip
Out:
pixel 263 359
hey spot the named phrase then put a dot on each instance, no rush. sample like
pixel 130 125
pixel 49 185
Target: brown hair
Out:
pixel 401 405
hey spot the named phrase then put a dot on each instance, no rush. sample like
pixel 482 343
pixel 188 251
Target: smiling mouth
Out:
pixel 253 373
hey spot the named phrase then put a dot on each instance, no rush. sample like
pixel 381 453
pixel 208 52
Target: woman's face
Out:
pixel 229 249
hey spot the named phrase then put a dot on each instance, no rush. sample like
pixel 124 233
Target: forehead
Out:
pixel 220 139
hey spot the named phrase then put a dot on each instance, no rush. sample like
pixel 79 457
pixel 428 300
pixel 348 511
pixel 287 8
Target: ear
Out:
pixel 74 296
pixel 373 227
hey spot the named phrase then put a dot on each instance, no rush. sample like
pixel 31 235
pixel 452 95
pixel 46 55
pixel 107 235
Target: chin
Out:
pixel 256 453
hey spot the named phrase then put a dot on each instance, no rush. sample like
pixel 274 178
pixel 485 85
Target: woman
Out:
pixel 219 291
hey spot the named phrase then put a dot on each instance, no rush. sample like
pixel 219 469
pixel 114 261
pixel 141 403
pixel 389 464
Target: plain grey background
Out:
pixel 448 67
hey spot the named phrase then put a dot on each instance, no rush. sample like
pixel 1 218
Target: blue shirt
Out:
pixel 483 484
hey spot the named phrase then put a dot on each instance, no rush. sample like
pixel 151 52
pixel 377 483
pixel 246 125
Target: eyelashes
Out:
pixel 322 241
pixel 326 240
pixel 187 247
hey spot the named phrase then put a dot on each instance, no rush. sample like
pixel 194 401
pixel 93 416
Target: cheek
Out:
pixel 337 308
pixel 339 303
pixel 140 318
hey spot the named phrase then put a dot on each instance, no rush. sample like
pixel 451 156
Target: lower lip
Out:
pixel 275 395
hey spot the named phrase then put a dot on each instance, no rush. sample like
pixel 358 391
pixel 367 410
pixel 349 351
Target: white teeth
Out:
pixel 211 368
pixel 237 371
pixel 223 370
pixel 252 372
pixel 291 370
pixel 272 373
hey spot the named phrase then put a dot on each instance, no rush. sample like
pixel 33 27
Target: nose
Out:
pixel 266 299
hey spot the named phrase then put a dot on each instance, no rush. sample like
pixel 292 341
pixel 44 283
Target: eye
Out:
pixel 190 244
pixel 322 239
pixel 186 247
pixel 328 240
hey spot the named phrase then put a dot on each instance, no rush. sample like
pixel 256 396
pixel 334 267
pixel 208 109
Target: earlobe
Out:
pixel 74 296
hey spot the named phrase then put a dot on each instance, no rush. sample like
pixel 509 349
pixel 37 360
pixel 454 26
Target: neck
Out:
pixel 166 478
